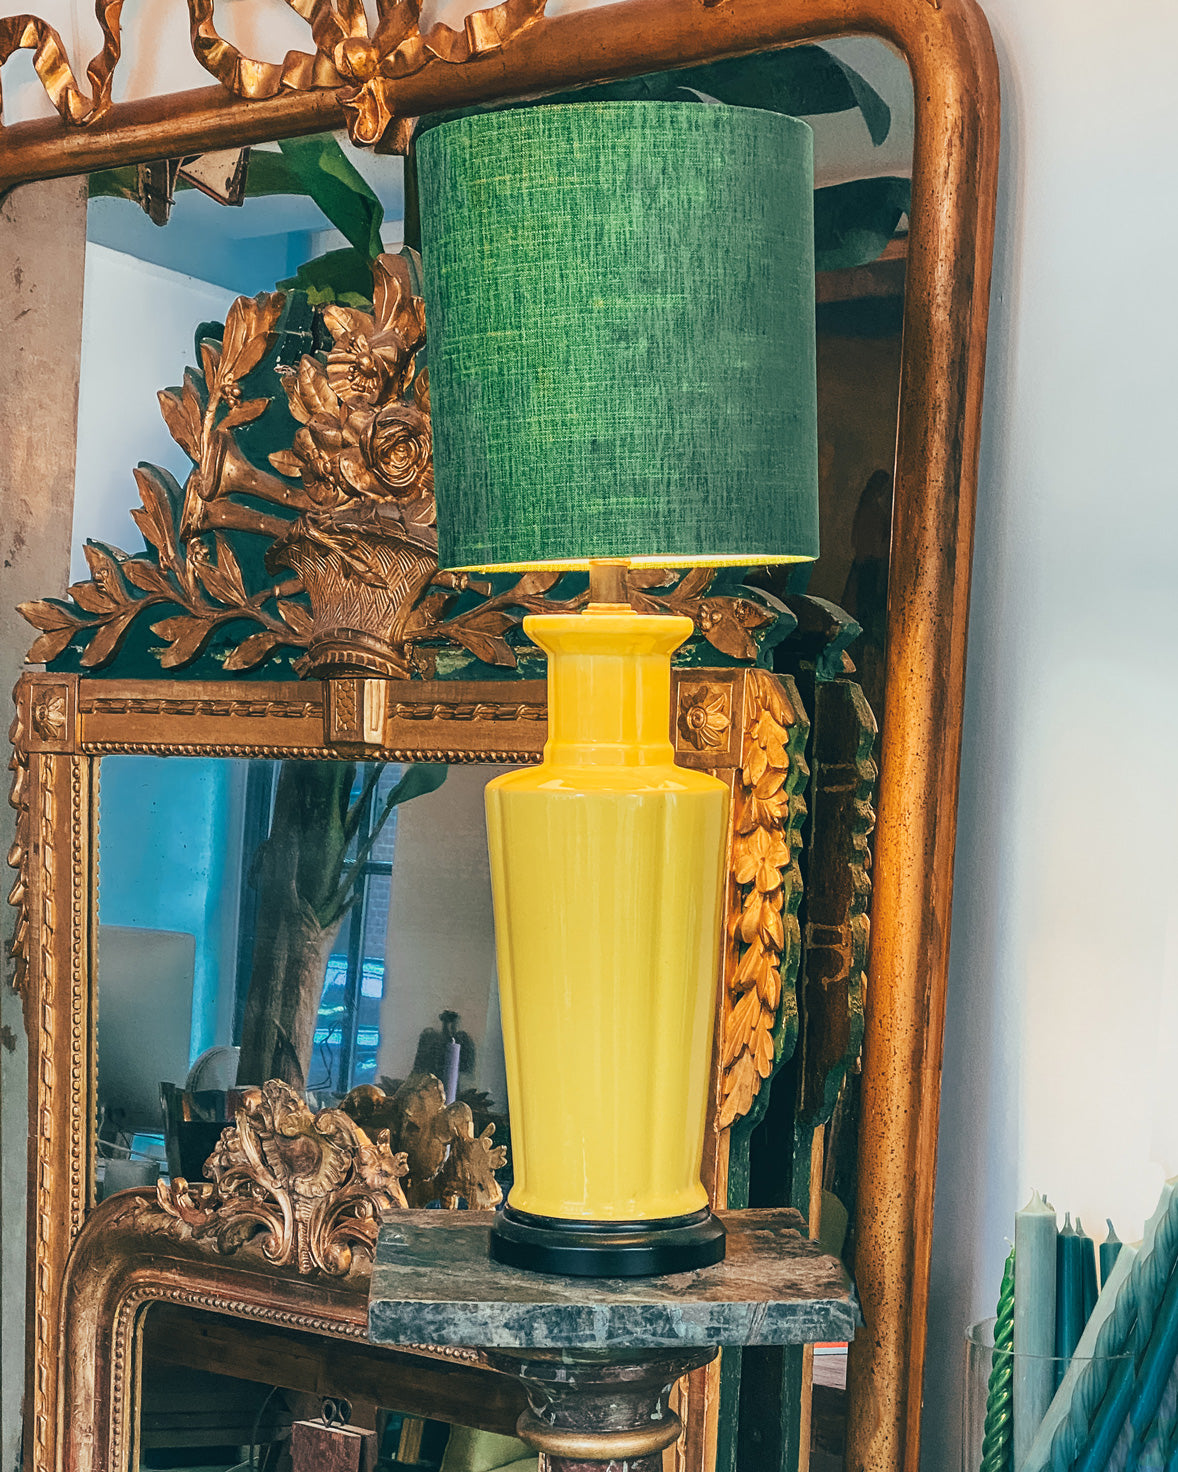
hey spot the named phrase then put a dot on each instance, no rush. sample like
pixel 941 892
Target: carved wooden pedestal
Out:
pixel 598 1357
pixel 586 1409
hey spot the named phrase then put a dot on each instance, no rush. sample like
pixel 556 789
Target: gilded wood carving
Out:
pixel 309 1190
pixel 838 893
pixel 335 444
pixel 306 1190
pixel 362 62
pixel 123 1264
pixel 55 774
pixel 19 896
pixel 760 1018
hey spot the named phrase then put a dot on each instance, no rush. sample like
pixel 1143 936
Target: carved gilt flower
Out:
pixel 760 860
pixel 364 431
pixel 49 716
pixel 363 365
pixel 704 718
pixel 398 448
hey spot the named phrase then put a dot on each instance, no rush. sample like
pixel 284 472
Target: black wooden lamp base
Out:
pixel 543 1244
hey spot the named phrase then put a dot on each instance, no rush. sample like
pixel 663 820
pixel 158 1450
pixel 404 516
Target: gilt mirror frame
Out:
pixel 948 48
pixel 65 724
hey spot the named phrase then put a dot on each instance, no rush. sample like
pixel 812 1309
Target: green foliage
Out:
pixel 853 222
pixel 339 276
pixel 326 173
pixel 317 167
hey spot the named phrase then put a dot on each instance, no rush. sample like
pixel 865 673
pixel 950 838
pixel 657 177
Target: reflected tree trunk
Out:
pixel 305 873
pixel 298 871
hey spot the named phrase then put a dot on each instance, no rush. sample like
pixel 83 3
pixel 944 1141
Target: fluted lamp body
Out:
pixel 619 304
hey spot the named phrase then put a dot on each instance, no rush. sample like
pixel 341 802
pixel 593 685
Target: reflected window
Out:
pixel 347 1030
pixel 347 1037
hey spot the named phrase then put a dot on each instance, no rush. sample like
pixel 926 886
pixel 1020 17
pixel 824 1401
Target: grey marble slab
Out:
pixel 433 1282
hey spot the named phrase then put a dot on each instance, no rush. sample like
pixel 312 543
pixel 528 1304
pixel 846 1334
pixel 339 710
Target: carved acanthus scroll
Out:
pixel 309 1190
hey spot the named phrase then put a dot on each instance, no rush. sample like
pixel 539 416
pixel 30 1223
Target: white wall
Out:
pixel 441 935
pixel 138 322
pixel 1061 1059
pixel 157 56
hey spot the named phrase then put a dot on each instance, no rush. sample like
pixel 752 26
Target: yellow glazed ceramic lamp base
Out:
pixel 606 865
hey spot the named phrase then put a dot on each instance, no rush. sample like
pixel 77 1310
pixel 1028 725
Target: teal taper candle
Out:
pixel 1069 1296
pixel 1108 1252
pixel 1154 1368
pixel 1087 1269
pixel 1034 1320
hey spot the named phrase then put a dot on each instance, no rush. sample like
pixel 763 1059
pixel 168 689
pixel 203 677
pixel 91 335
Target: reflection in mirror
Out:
pixel 313 213
pixel 203 1405
pixel 326 923
pixel 265 920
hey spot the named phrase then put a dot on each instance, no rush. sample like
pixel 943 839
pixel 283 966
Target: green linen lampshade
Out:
pixel 620 301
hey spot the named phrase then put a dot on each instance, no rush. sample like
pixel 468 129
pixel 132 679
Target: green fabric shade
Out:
pixel 620 314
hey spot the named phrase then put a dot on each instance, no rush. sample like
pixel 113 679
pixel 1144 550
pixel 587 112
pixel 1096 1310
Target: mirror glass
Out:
pixel 222 1418
pixel 229 887
pixel 327 923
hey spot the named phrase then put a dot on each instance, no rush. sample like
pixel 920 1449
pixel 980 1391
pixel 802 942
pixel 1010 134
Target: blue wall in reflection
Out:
pixel 167 861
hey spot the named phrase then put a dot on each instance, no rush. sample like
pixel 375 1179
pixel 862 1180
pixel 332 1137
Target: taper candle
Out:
pixel 1151 1272
pixel 1069 1295
pixel 1153 1370
pixel 1109 1419
pixel 1156 1451
pixel 1068 1424
pixel 1139 1277
pixel 998 1432
pixel 1035 1235
pixel 1108 1252
pixel 1172 1453
pixel 451 1065
pixel 1087 1269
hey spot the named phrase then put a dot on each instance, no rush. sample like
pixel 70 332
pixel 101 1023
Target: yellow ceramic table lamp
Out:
pixel 620 303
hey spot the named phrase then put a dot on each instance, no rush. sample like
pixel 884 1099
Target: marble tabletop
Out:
pixel 433 1282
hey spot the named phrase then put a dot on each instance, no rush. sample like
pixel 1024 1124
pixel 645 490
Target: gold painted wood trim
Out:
pixel 122 1264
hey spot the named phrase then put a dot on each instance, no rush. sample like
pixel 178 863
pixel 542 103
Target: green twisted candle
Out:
pixel 998 1434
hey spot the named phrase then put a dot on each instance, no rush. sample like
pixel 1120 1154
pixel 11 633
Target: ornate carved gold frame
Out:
pixel 752 737
pixel 949 50
pixel 124 1265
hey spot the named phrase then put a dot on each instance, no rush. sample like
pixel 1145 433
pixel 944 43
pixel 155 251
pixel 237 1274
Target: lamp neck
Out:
pixel 609 685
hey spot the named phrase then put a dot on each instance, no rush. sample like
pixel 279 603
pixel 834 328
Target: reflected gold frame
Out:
pixel 949 51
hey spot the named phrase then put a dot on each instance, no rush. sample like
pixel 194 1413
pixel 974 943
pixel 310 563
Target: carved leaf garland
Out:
pixel 764 938
pixel 341 517
pixel 20 853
